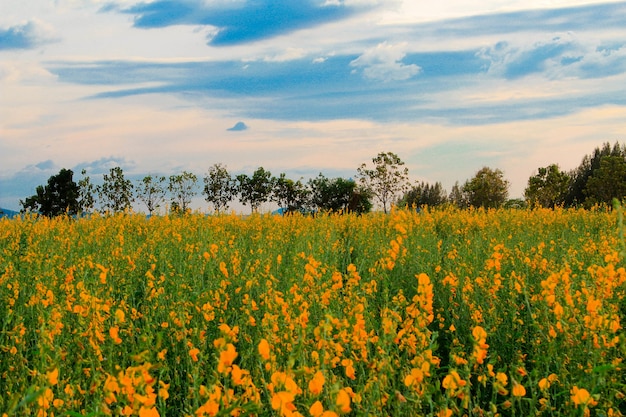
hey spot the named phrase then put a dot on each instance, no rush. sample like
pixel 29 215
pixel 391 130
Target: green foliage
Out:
pixel 255 190
pixel 116 193
pixel 220 187
pixel 58 197
pixel 151 191
pixel 86 192
pixel 579 192
pixel 548 188
pixel 607 182
pixel 338 195
pixel 487 189
pixel 386 180
pixel 290 195
pixel 424 194
pixel 182 188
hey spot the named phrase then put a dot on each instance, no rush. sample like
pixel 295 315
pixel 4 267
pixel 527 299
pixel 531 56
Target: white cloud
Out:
pixel 383 63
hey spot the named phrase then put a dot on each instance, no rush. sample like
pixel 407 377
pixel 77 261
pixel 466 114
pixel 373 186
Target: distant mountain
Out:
pixel 8 213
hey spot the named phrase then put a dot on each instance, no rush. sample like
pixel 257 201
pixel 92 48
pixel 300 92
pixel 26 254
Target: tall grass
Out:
pixel 439 313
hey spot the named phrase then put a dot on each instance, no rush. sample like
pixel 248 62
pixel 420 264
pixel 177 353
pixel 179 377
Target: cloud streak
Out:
pixel 240 21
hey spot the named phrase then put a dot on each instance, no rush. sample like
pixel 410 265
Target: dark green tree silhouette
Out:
pixel 607 182
pixel 255 190
pixel 290 195
pixel 578 192
pixel 59 196
pixel 424 194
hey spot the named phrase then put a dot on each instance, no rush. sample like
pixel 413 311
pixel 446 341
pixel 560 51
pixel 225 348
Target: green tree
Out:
pixel 548 188
pixel 116 192
pixel 255 190
pixel 220 187
pixel 59 196
pixel 607 182
pixel 86 193
pixel 290 195
pixel 338 195
pixel 386 180
pixel 487 189
pixel 578 192
pixel 182 188
pixel 151 192
pixel 424 194
pixel 457 197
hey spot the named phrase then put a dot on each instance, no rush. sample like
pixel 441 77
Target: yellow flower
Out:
pixel 163 387
pixel 316 385
pixel 148 412
pixel 446 412
pixel 283 401
pixel 226 358
pixel 120 317
pixel 194 354
pixel 543 384
pixel 316 409
pixel 581 396
pixel 114 333
pixel 453 381
pixel 53 376
pixel 349 368
pixel 161 354
pixel 415 377
pixel 343 401
pixel 518 390
pixel 264 349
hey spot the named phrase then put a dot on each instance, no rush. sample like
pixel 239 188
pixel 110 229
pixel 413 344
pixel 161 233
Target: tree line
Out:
pixel 599 179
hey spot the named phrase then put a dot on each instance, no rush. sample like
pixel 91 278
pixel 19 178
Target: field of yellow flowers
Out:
pixel 438 313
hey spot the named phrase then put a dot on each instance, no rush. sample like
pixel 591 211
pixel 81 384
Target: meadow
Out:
pixel 437 313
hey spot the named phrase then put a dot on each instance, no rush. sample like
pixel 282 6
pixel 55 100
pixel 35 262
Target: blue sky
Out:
pixel 306 86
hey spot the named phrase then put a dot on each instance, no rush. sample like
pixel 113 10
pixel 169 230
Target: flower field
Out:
pixel 438 313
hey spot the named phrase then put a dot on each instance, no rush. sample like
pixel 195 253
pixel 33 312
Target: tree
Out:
pixel 290 195
pixel 116 193
pixel 86 193
pixel 219 187
pixel 424 194
pixel 488 189
pixel 182 188
pixel 338 195
pixel 151 192
pixel 548 188
pixel 578 192
pixel 457 197
pixel 255 190
pixel 607 182
pixel 386 179
pixel 58 197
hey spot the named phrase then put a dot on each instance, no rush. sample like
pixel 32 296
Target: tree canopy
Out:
pixel 386 179
pixel 487 189
pixel 59 196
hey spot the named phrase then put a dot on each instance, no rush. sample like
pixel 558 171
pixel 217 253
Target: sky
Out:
pixel 306 86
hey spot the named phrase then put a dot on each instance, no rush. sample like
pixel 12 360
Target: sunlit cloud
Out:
pixel 384 63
